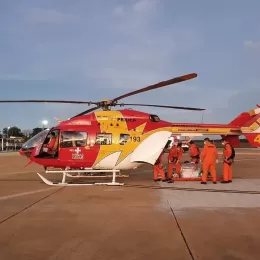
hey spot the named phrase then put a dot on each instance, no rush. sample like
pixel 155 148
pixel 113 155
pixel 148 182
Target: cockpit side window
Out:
pixel 154 118
pixel 36 140
pixel 51 140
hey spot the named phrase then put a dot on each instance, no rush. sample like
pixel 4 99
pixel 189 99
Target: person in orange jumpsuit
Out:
pixel 194 152
pixel 158 169
pixel 174 158
pixel 52 142
pixel 209 158
pixel 227 162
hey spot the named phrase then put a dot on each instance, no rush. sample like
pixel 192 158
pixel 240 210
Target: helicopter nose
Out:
pixel 26 153
pixel 21 152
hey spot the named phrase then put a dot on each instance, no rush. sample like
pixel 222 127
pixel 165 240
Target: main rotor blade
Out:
pixel 87 111
pixel 50 101
pixel 174 107
pixel 159 85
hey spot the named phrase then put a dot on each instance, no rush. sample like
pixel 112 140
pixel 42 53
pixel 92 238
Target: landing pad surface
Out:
pixel 141 220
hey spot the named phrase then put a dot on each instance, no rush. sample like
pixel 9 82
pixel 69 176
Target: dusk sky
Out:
pixel 92 50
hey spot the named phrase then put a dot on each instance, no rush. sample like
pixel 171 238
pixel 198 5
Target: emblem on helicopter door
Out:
pixel 77 155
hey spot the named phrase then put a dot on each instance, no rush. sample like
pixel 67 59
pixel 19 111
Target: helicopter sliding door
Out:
pixel 72 146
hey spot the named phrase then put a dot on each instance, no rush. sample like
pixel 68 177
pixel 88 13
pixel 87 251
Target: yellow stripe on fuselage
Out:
pixel 130 146
pixel 110 123
pixel 204 131
pixel 252 127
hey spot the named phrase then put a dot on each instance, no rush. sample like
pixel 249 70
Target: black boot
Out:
pixel 203 182
pixel 224 182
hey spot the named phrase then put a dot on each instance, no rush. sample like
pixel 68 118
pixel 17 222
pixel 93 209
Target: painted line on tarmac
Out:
pixel 25 193
pixel 181 232
pixel 11 173
pixel 31 205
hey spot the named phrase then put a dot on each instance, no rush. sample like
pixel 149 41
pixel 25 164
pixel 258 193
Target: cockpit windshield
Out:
pixel 36 140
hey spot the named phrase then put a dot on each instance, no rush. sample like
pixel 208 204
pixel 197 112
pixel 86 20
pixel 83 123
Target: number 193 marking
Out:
pixel 135 139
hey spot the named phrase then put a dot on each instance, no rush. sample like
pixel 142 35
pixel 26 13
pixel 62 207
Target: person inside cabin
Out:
pixel 52 145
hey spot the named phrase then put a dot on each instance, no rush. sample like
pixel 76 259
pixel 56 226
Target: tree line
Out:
pixel 17 132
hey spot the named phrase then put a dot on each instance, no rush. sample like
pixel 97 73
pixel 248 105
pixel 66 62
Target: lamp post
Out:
pixel 7 131
pixel 2 140
pixel 7 143
pixel 44 124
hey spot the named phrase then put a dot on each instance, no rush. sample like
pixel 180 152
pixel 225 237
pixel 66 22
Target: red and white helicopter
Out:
pixel 117 140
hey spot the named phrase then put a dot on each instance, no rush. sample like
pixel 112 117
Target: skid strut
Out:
pixel 66 173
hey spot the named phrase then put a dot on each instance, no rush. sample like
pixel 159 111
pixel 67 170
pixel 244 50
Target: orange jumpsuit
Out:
pixel 51 143
pixel 227 168
pixel 158 168
pixel 194 153
pixel 174 157
pixel 209 156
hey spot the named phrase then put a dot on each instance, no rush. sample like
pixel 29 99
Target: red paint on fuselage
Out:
pixel 90 125
pixel 86 124
pixel 141 118
pixel 134 118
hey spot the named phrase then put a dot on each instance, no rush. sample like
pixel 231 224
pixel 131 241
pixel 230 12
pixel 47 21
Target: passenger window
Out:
pixel 123 139
pixel 104 139
pixel 154 118
pixel 73 139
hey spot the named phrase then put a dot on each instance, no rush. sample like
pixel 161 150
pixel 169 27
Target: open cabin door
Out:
pixel 49 147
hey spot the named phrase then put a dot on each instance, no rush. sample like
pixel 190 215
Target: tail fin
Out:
pixel 251 129
pixel 240 120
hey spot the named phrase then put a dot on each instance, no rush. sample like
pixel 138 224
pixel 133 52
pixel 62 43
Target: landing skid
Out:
pixel 66 173
pixel 96 176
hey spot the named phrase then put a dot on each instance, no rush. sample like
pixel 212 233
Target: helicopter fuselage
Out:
pixel 101 140
pixel 122 139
